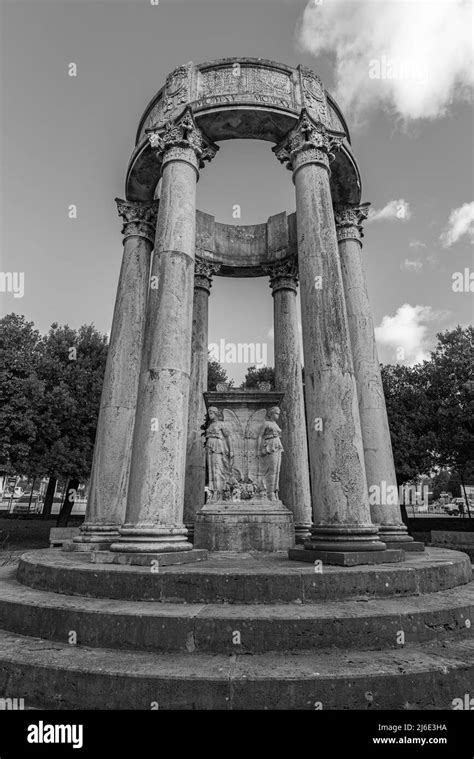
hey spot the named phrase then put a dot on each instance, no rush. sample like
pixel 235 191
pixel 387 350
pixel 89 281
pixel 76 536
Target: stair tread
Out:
pixel 329 663
pixel 13 592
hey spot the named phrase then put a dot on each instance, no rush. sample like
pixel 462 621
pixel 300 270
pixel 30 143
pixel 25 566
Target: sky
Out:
pixel 401 72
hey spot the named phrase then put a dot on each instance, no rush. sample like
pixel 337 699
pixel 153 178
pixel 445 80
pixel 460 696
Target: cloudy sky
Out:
pixel 401 71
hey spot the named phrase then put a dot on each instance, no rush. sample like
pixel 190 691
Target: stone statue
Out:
pixel 219 454
pixel 269 450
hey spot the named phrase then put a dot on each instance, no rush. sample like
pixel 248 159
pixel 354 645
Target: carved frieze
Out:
pixel 204 272
pixel 313 95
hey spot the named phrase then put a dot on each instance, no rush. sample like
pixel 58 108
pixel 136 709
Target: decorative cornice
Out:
pixel 182 140
pixel 349 222
pixel 283 274
pixel 308 142
pixel 139 218
pixel 204 272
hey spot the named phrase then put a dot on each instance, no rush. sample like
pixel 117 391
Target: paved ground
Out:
pixel 20 535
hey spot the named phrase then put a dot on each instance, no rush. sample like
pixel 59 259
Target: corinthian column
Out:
pixel 341 513
pixel 294 476
pixel 381 480
pixel 111 463
pixel 195 453
pixel 154 515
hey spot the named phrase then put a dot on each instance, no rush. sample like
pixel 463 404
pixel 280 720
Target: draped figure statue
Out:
pixel 219 454
pixel 269 450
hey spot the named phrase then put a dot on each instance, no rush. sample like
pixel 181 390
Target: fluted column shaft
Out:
pixel 154 515
pixel 381 479
pixel 294 474
pixel 341 511
pixel 113 445
pixel 195 479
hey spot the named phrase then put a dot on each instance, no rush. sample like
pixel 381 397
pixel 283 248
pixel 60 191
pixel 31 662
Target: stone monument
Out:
pixel 223 619
pixel 244 453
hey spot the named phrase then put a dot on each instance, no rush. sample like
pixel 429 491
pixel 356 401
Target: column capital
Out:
pixel 308 142
pixel 349 222
pixel 182 140
pixel 203 274
pixel 283 274
pixel 139 218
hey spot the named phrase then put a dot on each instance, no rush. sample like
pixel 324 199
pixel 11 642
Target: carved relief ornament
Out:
pixel 180 139
pixel 139 218
pixel 308 142
pixel 349 222
pixel 283 274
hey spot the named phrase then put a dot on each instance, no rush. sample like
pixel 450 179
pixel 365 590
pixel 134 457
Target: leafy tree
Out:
pixel 450 392
pixel 215 374
pixel 254 376
pixel 21 390
pixel 408 413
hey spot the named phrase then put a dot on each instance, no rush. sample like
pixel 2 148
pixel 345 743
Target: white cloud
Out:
pixel 395 209
pixel 405 337
pixel 410 57
pixel 460 223
pixel 409 265
pixel 416 244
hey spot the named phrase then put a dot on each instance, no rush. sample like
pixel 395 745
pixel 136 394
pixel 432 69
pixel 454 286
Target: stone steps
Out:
pixel 244 578
pixel 59 676
pixel 211 628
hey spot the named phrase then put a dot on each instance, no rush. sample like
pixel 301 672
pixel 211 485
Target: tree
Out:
pixel 254 376
pixel 215 374
pixel 408 413
pixel 21 390
pixel 450 392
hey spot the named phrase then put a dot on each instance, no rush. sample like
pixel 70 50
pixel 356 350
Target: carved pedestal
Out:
pixel 243 451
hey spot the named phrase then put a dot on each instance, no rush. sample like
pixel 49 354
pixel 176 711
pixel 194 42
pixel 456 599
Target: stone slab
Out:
pixel 244 578
pixel 61 676
pixel 148 559
pixel 411 546
pixel 208 628
pixel 346 558
pixel 58 535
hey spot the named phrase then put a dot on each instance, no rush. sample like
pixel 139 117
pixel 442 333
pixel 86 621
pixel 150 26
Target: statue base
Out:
pixel 244 526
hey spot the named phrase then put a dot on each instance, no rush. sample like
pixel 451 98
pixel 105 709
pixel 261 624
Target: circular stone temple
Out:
pixel 180 600
pixel 308 464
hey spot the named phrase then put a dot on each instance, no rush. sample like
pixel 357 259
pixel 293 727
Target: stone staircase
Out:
pixel 237 632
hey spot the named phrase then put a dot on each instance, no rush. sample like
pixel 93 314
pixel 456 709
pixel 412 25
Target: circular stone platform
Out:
pixel 237 631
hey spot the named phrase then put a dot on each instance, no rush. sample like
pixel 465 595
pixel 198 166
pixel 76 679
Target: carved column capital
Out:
pixel 349 222
pixel 203 274
pixel 283 274
pixel 139 218
pixel 182 140
pixel 308 142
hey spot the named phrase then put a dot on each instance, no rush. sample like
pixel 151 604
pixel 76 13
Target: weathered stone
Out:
pixel 195 478
pixel 154 515
pixel 294 488
pixel 378 454
pixel 113 447
pixel 339 488
pixel 343 558
pixel 244 452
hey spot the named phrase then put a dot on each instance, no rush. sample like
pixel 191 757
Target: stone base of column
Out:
pixel 346 538
pixel 153 560
pixel 413 546
pixel 244 526
pixel 302 532
pixel 190 528
pixel 346 558
pixel 93 537
pixel 151 538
